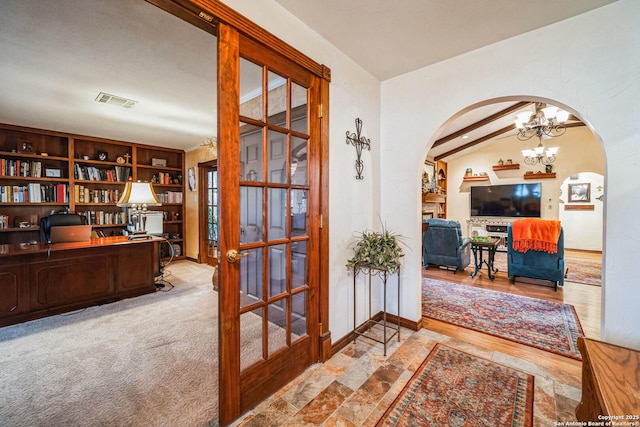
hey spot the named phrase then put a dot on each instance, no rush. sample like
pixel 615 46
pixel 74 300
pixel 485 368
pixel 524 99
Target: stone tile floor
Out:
pixel 358 384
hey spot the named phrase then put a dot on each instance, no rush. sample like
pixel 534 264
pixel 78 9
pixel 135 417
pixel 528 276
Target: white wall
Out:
pixel 352 205
pixel 594 71
pixel 579 151
pixel 580 225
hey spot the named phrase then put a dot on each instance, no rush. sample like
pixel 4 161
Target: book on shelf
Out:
pixel 170 197
pixel 4 222
pixel 92 173
pixel 34 193
pixel 26 168
pixel 105 218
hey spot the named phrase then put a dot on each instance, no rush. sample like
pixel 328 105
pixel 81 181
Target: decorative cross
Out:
pixel 359 142
pixel 127 157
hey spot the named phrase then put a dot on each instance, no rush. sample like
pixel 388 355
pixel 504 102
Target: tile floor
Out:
pixel 355 387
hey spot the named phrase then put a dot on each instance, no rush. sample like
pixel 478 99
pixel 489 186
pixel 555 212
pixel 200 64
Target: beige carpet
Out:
pixel 145 361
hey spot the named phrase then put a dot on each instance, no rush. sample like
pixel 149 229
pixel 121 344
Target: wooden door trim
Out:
pixel 203 203
pixel 228 141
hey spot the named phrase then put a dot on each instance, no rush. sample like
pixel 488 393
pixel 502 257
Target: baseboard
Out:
pixel 391 318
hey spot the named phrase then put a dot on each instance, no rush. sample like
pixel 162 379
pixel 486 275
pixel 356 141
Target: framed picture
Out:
pixel 53 173
pixel 25 147
pixel 191 178
pixel 429 171
pixel 580 192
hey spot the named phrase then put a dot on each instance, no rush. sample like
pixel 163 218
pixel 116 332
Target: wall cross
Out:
pixel 359 142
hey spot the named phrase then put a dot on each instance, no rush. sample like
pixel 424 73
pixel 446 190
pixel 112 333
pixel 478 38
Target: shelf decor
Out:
pixel 359 142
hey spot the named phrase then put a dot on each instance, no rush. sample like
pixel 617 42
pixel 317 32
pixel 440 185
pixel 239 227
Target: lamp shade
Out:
pixel 138 193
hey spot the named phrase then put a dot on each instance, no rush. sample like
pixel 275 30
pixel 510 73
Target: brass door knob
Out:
pixel 233 255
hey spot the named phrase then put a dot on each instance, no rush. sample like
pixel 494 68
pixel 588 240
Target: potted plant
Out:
pixel 379 250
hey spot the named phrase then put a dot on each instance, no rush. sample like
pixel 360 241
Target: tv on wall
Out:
pixel 511 200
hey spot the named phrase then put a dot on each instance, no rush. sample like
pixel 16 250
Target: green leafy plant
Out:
pixel 377 249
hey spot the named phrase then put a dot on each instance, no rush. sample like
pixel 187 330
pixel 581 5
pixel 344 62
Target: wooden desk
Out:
pixel 37 281
pixel 610 382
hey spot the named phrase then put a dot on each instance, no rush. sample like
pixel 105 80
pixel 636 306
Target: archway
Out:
pixel 580 150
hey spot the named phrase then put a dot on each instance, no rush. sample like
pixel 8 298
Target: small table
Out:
pixel 479 247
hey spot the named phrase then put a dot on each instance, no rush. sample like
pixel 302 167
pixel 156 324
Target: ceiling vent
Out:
pixel 118 101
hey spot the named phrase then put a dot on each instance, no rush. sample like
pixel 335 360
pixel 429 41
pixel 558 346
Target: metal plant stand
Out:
pixel 389 330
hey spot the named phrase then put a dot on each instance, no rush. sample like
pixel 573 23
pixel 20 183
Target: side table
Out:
pixel 478 248
pixel 365 329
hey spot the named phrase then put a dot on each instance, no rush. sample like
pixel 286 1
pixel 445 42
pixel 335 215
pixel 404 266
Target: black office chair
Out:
pixel 56 220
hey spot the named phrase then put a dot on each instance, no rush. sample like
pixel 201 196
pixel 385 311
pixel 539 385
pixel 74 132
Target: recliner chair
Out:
pixel 443 244
pixel 536 264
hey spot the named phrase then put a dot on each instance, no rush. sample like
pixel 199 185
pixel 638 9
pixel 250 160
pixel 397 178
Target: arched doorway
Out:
pixel 480 148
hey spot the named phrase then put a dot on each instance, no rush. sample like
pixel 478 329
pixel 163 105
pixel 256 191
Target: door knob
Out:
pixel 233 255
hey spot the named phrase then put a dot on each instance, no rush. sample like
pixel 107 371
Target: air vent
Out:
pixel 118 101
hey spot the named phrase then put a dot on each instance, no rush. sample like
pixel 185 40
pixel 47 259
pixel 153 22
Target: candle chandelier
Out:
pixel 545 122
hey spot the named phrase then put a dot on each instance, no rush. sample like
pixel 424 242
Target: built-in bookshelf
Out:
pixel 45 171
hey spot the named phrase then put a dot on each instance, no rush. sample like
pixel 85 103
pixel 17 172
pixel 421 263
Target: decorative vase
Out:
pixel 548 168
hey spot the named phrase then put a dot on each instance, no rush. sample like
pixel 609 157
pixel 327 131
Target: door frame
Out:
pixel 208 15
pixel 203 223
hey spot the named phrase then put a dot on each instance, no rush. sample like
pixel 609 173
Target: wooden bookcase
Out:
pixel 47 171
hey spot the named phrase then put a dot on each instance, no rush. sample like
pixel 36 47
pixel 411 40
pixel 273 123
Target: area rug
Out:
pixel 542 324
pixel 587 271
pixel 454 388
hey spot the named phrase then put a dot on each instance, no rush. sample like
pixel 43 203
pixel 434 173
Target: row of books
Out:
pixel 105 218
pixel 88 195
pixel 170 197
pixel 91 173
pixel 34 193
pixel 4 222
pixel 11 167
pixel 166 178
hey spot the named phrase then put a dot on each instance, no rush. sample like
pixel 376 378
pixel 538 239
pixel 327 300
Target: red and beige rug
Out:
pixel 585 270
pixel 454 388
pixel 546 325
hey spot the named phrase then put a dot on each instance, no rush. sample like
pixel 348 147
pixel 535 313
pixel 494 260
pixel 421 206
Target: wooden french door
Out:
pixel 269 174
pixel 208 202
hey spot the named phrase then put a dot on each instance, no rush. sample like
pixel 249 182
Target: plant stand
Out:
pixel 365 329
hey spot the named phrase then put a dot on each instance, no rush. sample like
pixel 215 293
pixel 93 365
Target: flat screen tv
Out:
pixel 511 200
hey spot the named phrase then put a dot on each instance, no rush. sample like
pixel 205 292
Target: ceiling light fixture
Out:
pixel 210 143
pixel 538 155
pixel 545 122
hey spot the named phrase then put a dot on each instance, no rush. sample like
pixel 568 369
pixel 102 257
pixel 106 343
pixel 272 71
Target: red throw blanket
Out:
pixel 536 234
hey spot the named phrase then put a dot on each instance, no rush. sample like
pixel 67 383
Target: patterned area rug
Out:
pixel 587 271
pixel 546 325
pixel 454 388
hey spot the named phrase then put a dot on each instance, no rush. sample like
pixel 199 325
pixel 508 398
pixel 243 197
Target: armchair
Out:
pixel 443 244
pixel 536 264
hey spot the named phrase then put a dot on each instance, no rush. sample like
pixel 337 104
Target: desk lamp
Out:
pixel 137 196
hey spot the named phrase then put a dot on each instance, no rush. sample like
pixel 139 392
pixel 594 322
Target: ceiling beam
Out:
pixel 483 122
pixel 491 136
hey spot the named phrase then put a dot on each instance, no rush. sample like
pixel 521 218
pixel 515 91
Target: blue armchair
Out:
pixel 536 264
pixel 443 244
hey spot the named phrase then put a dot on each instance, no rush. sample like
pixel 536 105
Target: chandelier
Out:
pixel 538 155
pixel 545 123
